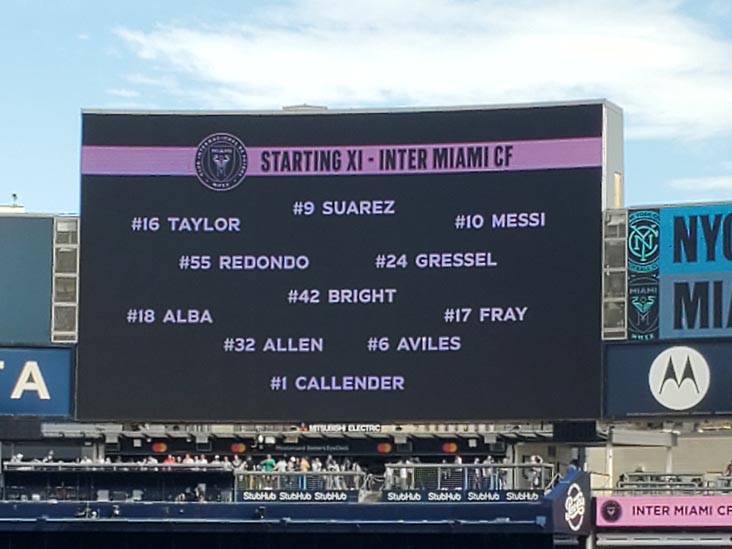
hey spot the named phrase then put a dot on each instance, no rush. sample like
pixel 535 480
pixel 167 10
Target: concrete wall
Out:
pixel 699 454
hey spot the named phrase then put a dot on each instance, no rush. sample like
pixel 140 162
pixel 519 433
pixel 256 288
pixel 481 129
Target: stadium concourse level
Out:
pixel 196 478
pixel 657 483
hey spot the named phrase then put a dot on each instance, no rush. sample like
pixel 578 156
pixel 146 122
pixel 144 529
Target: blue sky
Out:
pixel 667 64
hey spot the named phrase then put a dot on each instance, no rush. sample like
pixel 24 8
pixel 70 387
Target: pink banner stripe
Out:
pixel 664 511
pixel 138 160
pixel 357 160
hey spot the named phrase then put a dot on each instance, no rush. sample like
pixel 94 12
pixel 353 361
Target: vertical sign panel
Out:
pixel 643 253
pixel 26 245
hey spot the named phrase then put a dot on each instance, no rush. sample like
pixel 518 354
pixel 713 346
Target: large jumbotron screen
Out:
pixel 381 266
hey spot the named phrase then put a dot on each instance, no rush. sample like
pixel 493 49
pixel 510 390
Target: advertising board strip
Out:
pixel 35 381
pixel 664 512
pixel 680 379
pixel 298 496
pixel 460 496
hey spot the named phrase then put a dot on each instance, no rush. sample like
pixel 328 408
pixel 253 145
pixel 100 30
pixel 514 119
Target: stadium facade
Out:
pixel 460 286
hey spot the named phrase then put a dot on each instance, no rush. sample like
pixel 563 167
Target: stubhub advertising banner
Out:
pixel 35 381
pixel 664 512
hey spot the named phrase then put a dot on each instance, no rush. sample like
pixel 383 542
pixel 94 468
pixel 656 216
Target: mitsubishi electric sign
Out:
pixel 668 379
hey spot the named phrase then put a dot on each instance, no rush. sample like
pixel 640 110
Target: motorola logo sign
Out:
pixel 679 378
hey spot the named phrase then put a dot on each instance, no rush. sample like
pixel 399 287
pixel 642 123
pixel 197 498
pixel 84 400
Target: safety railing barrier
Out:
pixel 300 480
pixel 477 477
pixel 223 483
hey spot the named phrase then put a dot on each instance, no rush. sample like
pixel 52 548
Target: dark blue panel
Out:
pixel 35 381
pixel 26 250
pixel 681 386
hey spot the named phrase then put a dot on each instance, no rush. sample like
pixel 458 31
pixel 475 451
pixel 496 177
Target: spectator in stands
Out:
pixel 188 460
pixel 573 467
pixel 403 474
pixel 356 468
pixel 476 477
pixel 460 472
pixel 168 460
pixel 536 473
pixel 305 468
pixel 281 465
pixel 389 478
pixel 488 474
pixel 728 470
pixel 267 464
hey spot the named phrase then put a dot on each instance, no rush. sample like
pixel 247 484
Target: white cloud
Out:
pixel 123 92
pixel 711 183
pixel 83 36
pixel 670 73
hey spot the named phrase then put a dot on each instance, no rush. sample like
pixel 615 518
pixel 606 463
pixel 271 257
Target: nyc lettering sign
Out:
pixel 35 381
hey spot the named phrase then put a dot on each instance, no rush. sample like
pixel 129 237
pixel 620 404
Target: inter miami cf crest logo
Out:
pixel 221 162
pixel 611 510
pixel 643 309
pixel 679 378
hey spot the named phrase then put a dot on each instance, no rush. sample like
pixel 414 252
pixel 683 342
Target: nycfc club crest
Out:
pixel 643 231
pixel 679 378
pixel 221 162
